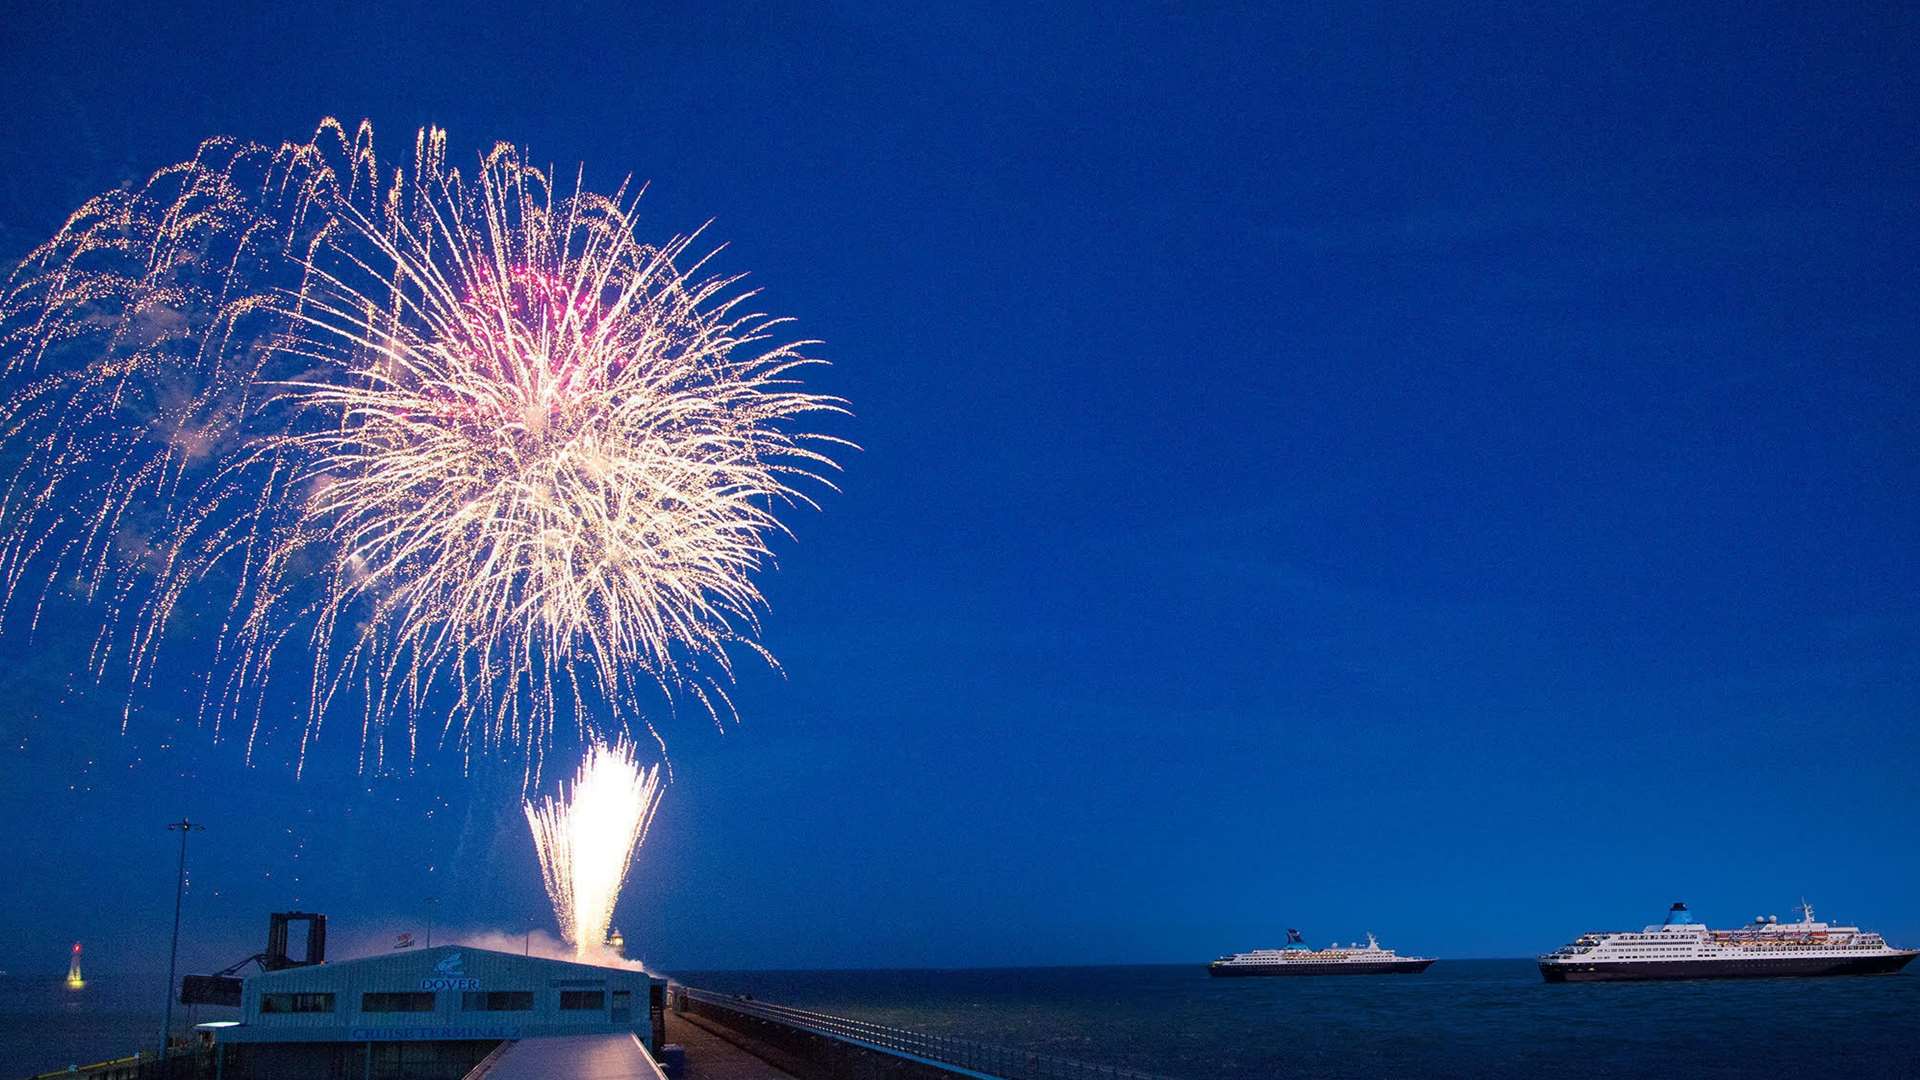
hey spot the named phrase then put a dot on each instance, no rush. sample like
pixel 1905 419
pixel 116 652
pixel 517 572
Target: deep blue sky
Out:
pixel 1444 474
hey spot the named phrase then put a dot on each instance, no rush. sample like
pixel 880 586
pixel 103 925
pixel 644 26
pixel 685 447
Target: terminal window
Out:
pixel 583 999
pixel 296 1003
pixel 497 1000
pixel 406 1001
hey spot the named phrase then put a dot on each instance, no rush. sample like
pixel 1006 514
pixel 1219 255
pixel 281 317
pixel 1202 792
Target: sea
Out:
pixel 1462 1018
pixel 45 1026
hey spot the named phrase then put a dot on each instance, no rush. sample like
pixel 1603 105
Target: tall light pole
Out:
pixel 183 827
pixel 431 901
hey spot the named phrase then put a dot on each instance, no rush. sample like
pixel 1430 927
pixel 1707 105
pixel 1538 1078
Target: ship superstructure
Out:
pixel 1681 948
pixel 1297 959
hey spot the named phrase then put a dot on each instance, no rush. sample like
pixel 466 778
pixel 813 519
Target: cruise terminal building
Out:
pixel 429 1014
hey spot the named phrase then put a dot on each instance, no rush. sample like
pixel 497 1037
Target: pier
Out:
pixel 711 1055
pixel 704 1036
pixel 808 1045
pixel 720 1037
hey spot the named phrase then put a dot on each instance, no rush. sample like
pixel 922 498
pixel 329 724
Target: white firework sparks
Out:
pixel 586 839
pixel 453 435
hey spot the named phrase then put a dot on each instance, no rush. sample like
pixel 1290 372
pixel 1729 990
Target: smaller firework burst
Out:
pixel 586 838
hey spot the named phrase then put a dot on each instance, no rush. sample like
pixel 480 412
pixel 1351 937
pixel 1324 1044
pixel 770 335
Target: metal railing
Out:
pixel 184 1063
pixel 1003 1062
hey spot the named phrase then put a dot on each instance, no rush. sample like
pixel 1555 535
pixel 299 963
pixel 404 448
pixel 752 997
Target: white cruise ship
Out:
pixel 1680 948
pixel 1297 959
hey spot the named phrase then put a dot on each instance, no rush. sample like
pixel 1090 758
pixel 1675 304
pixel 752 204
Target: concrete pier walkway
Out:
pixel 710 1057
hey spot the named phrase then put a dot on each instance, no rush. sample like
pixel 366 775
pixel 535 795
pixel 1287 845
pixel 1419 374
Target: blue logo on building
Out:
pixel 452 976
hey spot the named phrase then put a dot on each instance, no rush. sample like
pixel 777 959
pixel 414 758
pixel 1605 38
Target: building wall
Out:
pixel 449 973
pixel 420 1060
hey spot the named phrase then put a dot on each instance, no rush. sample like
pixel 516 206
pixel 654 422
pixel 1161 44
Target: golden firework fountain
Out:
pixel 586 838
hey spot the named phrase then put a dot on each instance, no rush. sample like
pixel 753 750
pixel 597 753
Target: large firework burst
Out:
pixel 477 454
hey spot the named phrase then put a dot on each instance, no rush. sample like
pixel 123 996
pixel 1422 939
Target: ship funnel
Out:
pixel 1678 915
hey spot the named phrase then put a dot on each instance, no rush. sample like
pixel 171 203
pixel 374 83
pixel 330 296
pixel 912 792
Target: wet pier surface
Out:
pixel 711 1057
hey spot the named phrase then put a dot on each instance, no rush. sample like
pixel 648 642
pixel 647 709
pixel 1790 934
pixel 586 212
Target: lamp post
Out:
pixel 183 827
pixel 431 901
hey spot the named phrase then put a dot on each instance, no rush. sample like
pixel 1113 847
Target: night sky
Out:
pixel 1449 475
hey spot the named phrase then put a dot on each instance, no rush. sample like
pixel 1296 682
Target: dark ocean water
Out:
pixel 1467 1018
pixel 45 1026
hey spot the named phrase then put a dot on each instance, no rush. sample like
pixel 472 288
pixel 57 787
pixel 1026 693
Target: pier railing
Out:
pixel 183 1063
pixel 1003 1062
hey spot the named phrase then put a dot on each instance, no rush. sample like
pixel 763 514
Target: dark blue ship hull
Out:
pixel 1366 967
pixel 1785 967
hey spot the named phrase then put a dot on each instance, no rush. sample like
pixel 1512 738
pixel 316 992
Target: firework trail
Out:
pixel 424 434
pixel 586 838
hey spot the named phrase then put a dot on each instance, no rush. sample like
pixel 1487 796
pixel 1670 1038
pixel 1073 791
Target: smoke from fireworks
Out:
pixel 429 433
pixel 586 838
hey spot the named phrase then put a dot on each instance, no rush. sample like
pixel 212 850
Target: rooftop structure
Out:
pixel 575 1057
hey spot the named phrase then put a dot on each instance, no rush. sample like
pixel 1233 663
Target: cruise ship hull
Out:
pixel 1357 967
pixel 1768 968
